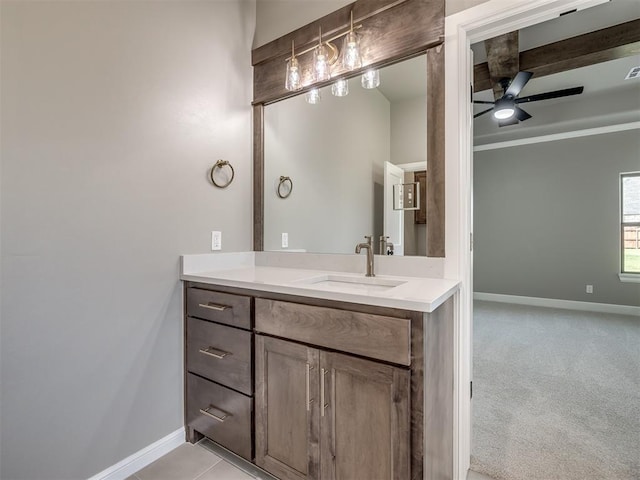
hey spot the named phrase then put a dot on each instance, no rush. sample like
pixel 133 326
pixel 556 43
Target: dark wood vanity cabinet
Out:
pixel 322 414
pixel 326 415
pixel 287 442
pixel 219 369
pixel 319 389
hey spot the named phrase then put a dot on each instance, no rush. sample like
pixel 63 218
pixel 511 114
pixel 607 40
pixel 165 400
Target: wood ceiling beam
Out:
pixel 603 45
pixel 503 60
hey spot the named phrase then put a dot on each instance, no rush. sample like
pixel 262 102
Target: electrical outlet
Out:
pixel 216 240
pixel 589 288
pixel 285 240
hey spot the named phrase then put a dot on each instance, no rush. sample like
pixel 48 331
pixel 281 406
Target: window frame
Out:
pixel 626 276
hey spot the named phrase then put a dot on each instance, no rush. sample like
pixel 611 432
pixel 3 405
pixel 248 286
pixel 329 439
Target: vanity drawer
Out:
pixel 221 414
pixel 374 336
pixel 220 353
pixel 219 307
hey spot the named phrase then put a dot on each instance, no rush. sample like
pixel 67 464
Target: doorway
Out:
pixel 487 20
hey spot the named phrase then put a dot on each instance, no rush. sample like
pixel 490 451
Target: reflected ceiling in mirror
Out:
pixel 338 152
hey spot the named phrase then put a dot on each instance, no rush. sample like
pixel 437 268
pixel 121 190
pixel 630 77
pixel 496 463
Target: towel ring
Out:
pixel 220 164
pixel 283 181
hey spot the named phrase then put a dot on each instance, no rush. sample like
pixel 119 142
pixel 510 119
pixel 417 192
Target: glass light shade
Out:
pixel 308 75
pixel 340 88
pixel 293 79
pixel 351 52
pixel 504 109
pixel 371 79
pixel 320 63
pixel 313 96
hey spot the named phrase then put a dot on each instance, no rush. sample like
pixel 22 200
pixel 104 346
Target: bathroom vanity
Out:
pixel 317 374
pixel 297 362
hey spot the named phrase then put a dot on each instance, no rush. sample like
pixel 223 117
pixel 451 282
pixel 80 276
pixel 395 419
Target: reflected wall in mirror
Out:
pixel 345 154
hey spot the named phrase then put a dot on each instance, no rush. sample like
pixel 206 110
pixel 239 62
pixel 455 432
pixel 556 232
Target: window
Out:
pixel 630 222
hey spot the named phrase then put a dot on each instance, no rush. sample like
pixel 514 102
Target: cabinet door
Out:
pixel 286 403
pixel 364 422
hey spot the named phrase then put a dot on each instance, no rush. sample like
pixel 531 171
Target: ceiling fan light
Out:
pixel 504 109
pixel 504 113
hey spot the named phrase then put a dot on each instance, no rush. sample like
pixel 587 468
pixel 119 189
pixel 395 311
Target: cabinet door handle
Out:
pixel 214 352
pixel 322 391
pixel 219 415
pixel 309 399
pixel 214 306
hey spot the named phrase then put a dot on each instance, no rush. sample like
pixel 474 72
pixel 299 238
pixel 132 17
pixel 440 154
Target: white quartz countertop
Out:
pixel 409 293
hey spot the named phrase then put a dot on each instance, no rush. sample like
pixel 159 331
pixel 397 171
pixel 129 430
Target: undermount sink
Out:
pixel 352 283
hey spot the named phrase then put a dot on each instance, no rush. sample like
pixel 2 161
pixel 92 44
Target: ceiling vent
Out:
pixel 633 73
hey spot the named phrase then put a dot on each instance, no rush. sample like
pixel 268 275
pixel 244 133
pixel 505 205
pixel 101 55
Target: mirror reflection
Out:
pixel 343 153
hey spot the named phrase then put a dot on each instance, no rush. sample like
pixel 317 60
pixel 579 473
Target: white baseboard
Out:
pixel 142 458
pixel 555 303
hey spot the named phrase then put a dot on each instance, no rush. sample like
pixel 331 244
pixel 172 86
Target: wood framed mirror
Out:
pixel 390 31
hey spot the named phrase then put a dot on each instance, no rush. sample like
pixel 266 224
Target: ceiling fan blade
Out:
pixel 556 94
pixel 521 114
pixel 482 113
pixel 483 102
pixel 509 121
pixel 518 83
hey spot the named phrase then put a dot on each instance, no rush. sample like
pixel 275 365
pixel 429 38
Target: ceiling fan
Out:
pixel 506 108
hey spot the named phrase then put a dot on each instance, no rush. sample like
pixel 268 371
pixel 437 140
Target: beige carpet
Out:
pixel 556 394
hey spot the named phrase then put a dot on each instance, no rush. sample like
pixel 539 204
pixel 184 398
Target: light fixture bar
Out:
pixel 372 14
pixel 315 44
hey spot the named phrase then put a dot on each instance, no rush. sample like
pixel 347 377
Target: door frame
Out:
pixel 398 243
pixel 487 20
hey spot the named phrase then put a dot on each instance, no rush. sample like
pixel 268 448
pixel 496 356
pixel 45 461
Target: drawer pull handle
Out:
pixel 219 415
pixel 214 352
pixel 309 399
pixel 322 388
pixel 214 306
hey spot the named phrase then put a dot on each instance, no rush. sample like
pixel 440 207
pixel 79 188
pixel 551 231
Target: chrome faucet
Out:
pixel 367 245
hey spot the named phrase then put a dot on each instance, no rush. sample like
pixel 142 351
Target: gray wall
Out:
pixel 112 113
pixel 334 152
pixel 455 6
pixel 408 145
pixel 275 18
pixel 409 130
pixel 546 218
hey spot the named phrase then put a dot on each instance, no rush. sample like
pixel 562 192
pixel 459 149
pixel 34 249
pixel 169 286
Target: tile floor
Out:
pixel 206 461
pixel 471 475
pixel 191 462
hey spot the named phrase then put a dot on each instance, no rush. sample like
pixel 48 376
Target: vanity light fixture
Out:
pixel 321 61
pixel 371 79
pixel 293 79
pixel 325 55
pixel 340 88
pixel 313 96
pixel 351 49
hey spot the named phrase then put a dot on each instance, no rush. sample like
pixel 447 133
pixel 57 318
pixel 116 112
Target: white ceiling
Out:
pixel 408 79
pixel 601 16
pixel 607 95
pixel 606 76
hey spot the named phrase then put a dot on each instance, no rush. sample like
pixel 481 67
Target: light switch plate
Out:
pixel 285 240
pixel 216 240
